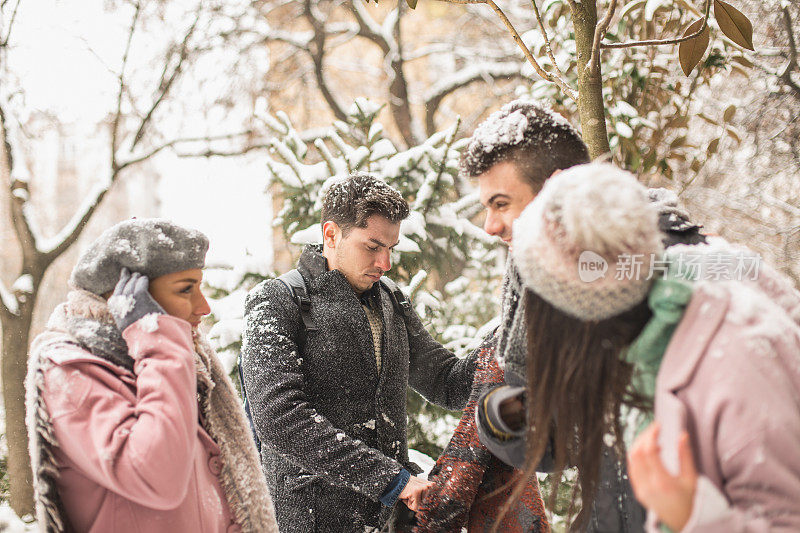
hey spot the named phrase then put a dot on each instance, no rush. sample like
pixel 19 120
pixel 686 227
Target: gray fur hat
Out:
pixel 150 246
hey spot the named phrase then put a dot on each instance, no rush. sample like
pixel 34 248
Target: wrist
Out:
pixel 393 490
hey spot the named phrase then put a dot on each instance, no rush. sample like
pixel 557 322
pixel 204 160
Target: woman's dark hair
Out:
pixel 577 380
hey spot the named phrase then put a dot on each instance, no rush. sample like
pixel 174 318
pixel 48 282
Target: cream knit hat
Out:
pixel 586 244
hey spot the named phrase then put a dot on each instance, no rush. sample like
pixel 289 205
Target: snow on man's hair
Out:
pixel 350 202
pixel 537 140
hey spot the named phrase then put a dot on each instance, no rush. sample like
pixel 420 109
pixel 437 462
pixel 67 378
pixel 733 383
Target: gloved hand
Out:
pixel 131 301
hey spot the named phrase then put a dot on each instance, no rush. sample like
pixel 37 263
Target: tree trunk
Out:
pixel 16 334
pixel 398 88
pixel 590 81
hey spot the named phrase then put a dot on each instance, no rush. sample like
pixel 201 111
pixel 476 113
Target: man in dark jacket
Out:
pixel 511 155
pixel 329 402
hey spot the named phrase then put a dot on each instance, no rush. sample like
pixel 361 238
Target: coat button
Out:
pixel 234 528
pixel 215 465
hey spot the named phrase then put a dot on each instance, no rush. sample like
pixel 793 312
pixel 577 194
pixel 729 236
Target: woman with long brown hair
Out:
pixel 621 333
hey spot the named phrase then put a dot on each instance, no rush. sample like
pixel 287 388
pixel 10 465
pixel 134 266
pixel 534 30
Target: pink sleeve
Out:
pixel 141 447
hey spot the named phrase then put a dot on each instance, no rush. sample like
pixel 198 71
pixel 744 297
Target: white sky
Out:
pixel 64 53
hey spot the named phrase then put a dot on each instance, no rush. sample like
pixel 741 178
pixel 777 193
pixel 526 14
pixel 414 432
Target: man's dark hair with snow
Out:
pixel 352 201
pixel 536 140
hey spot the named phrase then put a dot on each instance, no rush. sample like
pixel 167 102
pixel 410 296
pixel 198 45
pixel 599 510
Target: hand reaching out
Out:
pixel 414 492
pixel 669 497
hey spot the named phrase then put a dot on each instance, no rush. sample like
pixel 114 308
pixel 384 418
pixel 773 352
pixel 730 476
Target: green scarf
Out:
pixel 667 300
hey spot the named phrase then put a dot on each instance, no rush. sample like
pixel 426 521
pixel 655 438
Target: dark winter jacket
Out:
pixel 615 508
pixel 333 428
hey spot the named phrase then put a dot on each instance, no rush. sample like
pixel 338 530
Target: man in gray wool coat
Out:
pixel 329 402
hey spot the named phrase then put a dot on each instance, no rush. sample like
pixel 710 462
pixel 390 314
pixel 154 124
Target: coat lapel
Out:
pixel 700 322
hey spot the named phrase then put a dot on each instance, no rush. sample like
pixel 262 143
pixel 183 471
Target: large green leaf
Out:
pixel 734 24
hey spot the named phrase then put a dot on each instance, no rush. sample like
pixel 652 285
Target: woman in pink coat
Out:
pixel 696 351
pixel 134 425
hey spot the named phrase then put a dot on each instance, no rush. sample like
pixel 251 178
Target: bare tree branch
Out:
pixel 599 33
pixel 122 86
pixel 367 27
pixel 166 85
pixel 222 153
pixel 316 50
pixel 547 45
pixel 661 42
pixel 528 55
pixel 5 39
pixel 786 75
pixel 398 86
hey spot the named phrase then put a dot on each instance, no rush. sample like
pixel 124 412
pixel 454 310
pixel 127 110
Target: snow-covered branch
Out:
pixel 483 72
pixel 17 182
pixel 298 39
pixel 53 247
pixel 8 303
pixel 599 32
pixel 552 77
pixel 368 28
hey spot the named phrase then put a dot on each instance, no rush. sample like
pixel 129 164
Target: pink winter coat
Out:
pixel 132 454
pixel 731 378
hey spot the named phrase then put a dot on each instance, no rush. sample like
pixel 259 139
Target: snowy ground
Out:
pixel 11 523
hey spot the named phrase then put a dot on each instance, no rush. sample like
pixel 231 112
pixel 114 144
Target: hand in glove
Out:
pixel 131 301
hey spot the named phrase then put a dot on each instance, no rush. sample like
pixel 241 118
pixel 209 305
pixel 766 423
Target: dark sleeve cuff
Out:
pixel 390 495
pixel 489 412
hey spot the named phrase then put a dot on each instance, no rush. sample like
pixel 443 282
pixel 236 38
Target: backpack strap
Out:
pixel 399 299
pixel 296 284
pixel 400 302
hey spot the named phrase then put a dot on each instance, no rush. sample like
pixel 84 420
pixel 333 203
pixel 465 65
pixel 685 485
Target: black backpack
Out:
pixel 296 285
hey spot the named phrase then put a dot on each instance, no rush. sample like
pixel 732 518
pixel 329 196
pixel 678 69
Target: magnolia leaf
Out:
pixel 734 24
pixel 678 122
pixel 733 135
pixel 743 61
pixel 712 147
pixel 729 112
pixel 678 142
pixel 411 3
pixel 696 165
pixel 691 52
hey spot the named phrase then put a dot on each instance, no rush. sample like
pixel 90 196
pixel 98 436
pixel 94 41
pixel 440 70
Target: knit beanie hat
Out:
pixel 587 242
pixel 153 247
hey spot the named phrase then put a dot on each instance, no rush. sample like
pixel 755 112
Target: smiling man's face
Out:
pixel 362 255
pixel 504 194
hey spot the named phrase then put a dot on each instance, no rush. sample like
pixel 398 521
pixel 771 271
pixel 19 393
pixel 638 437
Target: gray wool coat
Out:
pixel 333 428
